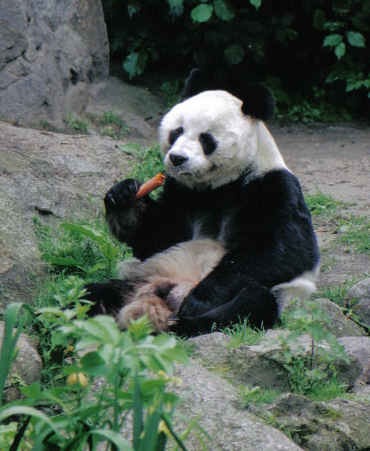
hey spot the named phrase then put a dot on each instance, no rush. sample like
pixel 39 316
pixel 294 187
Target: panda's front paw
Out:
pixel 122 195
pixel 193 307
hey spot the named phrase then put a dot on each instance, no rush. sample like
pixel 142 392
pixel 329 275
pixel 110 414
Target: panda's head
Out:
pixel 211 139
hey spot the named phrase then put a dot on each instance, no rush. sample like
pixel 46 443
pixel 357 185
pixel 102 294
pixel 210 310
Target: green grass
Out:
pixel 149 160
pixel 336 293
pixel 355 233
pixel 76 124
pixel 321 204
pixel 241 333
pixel 327 390
pixel 258 395
pixel 84 249
pixel 110 124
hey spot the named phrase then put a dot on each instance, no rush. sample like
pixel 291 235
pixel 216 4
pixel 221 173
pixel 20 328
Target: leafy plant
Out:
pixel 81 248
pixel 133 369
pixel 95 376
pixel 257 40
pixel 315 372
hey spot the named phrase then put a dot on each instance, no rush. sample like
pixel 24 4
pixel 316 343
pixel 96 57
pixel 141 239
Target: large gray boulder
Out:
pixel 264 364
pixel 340 424
pixel 55 177
pixel 214 405
pixel 360 293
pixel 50 52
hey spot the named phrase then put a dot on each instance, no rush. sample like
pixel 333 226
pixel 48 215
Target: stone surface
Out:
pixel 263 364
pixel 50 52
pixel 214 404
pixel 26 368
pixel 135 105
pixel 360 292
pixel 358 348
pixel 335 321
pixel 339 425
pixel 52 176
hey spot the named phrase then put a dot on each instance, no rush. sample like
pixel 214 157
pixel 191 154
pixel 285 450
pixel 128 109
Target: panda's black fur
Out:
pixel 211 252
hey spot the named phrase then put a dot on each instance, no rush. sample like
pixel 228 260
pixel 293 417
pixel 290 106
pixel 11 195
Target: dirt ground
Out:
pixel 334 160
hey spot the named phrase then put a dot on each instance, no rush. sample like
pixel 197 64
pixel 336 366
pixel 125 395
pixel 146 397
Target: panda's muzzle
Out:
pixel 177 160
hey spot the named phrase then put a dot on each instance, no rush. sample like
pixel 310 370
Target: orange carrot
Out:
pixel 150 185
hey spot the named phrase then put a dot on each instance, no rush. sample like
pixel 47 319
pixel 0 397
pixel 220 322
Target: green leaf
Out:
pixel 103 329
pixel 234 54
pixel 138 418
pixel 223 10
pixel 29 411
pixel 12 330
pixel 332 40
pixel 356 39
pixel 255 3
pixel 340 50
pixel 94 364
pixel 113 437
pixel 176 7
pixel 201 13
pixel 135 63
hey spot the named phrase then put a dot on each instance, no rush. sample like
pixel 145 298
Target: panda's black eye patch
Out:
pixel 174 134
pixel 208 143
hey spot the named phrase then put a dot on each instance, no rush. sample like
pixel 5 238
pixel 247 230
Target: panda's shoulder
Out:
pixel 275 185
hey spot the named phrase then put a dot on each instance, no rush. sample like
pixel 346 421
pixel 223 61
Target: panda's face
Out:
pixel 207 140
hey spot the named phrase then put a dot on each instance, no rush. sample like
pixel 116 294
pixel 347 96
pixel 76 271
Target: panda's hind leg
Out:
pixel 107 297
pixel 148 300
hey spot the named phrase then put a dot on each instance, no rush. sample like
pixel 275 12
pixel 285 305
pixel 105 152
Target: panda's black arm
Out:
pixel 145 224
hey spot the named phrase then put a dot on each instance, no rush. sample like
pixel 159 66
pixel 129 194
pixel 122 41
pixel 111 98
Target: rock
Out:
pixel 213 404
pixel 360 290
pixel 361 293
pixel 335 321
pixel 136 106
pixel 337 425
pixel 26 368
pixel 50 52
pixel 54 177
pixel 264 364
pixel 358 348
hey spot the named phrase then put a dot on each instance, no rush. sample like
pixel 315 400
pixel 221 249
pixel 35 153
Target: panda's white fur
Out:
pixel 242 141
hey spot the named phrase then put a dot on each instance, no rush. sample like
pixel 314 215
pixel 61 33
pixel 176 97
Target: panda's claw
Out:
pixel 122 194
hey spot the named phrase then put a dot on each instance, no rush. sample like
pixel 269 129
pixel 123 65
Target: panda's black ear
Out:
pixel 194 84
pixel 258 102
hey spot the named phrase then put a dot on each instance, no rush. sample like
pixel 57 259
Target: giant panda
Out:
pixel 230 236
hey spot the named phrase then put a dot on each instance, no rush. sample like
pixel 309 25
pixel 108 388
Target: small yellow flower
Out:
pixel 77 378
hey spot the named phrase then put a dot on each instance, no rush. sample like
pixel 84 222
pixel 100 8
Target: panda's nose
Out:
pixel 177 160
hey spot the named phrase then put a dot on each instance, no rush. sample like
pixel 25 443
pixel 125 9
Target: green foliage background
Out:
pixel 311 51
